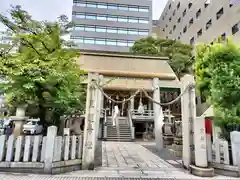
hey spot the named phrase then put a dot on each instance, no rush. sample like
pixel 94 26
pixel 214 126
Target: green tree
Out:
pixel 43 73
pixel 180 55
pixel 217 72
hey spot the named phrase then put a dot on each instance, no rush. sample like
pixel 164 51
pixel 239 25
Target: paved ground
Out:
pixel 125 160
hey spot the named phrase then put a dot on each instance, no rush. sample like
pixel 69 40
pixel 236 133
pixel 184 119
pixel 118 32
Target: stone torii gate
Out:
pixel 189 125
pixel 92 116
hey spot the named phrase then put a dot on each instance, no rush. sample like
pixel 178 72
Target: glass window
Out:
pixel 103 6
pixel 122 19
pixel 89 41
pixel 143 9
pixel 143 32
pixel 78 41
pixel 143 21
pixel 100 41
pixel 133 8
pixel 111 42
pixel 122 43
pixel 101 17
pixel 112 18
pixel 101 29
pixel 122 31
pixel 91 5
pixel 81 4
pixel 123 7
pixel 82 16
pixel 133 20
pixel 91 16
pixel 112 6
pixel 130 43
pixel 133 31
pixel 79 28
pixel 112 30
pixel 90 28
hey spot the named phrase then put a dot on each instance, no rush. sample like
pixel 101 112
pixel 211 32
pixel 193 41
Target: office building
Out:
pixel 193 21
pixel 110 25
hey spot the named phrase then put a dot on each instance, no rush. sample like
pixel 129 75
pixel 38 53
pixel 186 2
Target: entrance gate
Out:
pixel 93 110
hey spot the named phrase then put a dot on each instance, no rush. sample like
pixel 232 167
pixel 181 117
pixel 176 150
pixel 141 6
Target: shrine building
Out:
pixel 124 74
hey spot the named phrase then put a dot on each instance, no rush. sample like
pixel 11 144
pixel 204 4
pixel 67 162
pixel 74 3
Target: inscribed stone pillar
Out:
pixel 201 146
pixel 188 108
pixel 158 122
pixel 89 142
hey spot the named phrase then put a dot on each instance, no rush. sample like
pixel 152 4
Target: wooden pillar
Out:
pixel 158 121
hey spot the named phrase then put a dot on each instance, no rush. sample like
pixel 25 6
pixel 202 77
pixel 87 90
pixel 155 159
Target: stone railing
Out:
pixel 223 156
pixel 41 154
pixel 147 114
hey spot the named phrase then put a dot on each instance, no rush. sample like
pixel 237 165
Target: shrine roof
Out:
pixel 132 71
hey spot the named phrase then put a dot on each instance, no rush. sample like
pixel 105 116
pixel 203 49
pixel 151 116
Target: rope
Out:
pixel 171 102
pixel 190 86
pixel 115 101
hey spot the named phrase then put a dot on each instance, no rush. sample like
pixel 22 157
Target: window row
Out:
pixel 99 41
pixel 121 7
pixel 219 14
pixel 110 18
pixel 235 29
pixel 116 30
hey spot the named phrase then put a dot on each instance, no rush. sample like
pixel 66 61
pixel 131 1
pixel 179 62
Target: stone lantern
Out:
pixel 19 119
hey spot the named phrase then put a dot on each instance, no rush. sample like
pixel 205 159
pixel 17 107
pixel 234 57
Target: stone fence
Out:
pixel 50 154
pixel 225 157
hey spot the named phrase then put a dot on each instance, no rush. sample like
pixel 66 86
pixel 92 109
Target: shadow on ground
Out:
pixel 166 155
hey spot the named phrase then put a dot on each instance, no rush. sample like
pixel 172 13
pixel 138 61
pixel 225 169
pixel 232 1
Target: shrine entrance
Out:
pixel 108 105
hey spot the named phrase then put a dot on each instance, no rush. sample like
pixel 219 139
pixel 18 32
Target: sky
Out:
pixel 51 9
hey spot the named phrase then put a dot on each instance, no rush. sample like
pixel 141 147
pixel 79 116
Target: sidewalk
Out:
pixel 96 176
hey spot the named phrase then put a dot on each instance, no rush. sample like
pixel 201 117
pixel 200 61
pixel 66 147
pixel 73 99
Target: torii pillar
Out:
pixel 158 121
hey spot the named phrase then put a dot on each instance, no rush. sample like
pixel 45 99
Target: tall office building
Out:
pixel 192 21
pixel 110 25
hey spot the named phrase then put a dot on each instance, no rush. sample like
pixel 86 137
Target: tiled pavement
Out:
pixel 125 160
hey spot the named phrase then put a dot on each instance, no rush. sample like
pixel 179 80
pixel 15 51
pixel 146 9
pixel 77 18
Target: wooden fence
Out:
pixel 49 154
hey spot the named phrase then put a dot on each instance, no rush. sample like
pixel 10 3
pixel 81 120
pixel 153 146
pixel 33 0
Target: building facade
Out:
pixel 193 21
pixel 110 25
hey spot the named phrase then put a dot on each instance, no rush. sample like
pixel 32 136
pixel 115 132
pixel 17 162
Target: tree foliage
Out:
pixel 218 77
pixel 180 55
pixel 43 72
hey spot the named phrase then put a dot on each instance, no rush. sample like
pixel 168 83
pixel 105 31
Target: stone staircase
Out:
pixel 118 133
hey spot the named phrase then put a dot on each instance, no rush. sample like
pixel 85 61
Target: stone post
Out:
pixel 89 142
pixel 235 143
pixel 132 103
pixel 187 108
pixel 201 161
pixel 201 145
pixel 49 148
pixel 99 103
pixel 158 122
